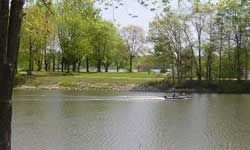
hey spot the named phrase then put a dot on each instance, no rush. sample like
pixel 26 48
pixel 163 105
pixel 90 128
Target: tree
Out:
pixel 134 38
pixel 167 32
pixel 237 18
pixel 10 25
pixel 38 31
pixel 73 31
pixel 114 48
pixel 199 20
pixel 120 54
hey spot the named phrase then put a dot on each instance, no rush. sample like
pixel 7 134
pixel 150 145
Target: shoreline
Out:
pixel 127 82
pixel 126 88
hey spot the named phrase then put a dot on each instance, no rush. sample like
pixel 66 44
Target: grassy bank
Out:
pixel 124 82
pixel 85 81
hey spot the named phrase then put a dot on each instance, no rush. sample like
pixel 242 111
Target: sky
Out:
pixel 122 17
pixel 121 14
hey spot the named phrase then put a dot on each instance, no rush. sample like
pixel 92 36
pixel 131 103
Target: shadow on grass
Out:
pixel 204 86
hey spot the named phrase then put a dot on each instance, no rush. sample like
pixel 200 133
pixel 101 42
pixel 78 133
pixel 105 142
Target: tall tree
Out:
pixel 134 38
pixel 10 25
pixel 199 19
pixel 36 35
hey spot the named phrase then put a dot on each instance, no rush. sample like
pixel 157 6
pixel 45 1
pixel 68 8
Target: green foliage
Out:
pixel 38 30
pixel 67 32
pixel 211 40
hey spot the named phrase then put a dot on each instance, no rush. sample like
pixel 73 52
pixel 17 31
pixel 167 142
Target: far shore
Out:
pixel 125 82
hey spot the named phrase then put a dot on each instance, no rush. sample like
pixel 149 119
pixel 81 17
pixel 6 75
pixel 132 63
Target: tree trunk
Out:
pixel 74 67
pixel 199 47
pixel 6 109
pixel 10 24
pixel 5 125
pixel 4 17
pixel 173 74
pixel 220 52
pixel 117 67
pixel 106 69
pixel 68 68
pixel 246 63
pixel 58 63
pixel 106 66
pixel 49 65
pixel 130 63
pixel 62 65
pixel 238 55
pixel 191 69
pixel 54 63
pixel 79 65
pixel 209 66
pixel 99 65
pixel 30 57
pixel 45 60
pixel 39 65
pixel 65 66
pixel 87 64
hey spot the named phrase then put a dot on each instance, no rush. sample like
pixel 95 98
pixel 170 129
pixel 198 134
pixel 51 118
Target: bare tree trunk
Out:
pixel 49 64
pixel 220 51
pixel 87 64
pixel 99 65
pixel 54 63
pixel 173 74
pixel 74 66
pixel 106 68
pixel 193 55
pixel 106 65
pixel 199 48
pixel 117 67
pixel 58 62
pixel 79 65
pixel 4 17
pixel 10 24
pixel 246 63
pixel 45 61
pixel 62 65
pixel 30 57
pixel 130 63
pixel 191 69
pixel 39 65
pixel 238 55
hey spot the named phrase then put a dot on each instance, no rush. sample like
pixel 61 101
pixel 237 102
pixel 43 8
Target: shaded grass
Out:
pixel 204 86
pixel 216 86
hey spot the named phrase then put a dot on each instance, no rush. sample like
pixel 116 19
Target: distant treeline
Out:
pixel 70 35
pixel 202 40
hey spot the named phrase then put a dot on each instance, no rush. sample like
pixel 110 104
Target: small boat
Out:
pixel 177 97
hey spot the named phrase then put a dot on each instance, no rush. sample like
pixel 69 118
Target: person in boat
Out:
pixel 174 95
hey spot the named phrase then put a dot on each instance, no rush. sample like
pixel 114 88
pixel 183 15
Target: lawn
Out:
pixel 86 80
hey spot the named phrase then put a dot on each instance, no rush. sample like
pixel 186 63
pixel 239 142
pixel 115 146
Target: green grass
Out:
pixel 78 80
pixel 125 81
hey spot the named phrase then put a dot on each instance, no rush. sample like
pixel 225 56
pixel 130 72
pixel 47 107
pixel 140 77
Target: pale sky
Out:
pixel 123 14
pixel 122 17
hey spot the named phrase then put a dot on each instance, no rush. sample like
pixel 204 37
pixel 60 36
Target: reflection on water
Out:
pixel 61 120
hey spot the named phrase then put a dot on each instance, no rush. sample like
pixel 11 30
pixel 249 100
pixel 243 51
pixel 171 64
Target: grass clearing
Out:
pixel 86 80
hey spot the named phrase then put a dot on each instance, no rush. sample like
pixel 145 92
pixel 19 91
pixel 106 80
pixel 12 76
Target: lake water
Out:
pixel 64 120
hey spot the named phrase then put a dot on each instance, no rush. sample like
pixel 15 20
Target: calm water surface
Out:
pixel 60 120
